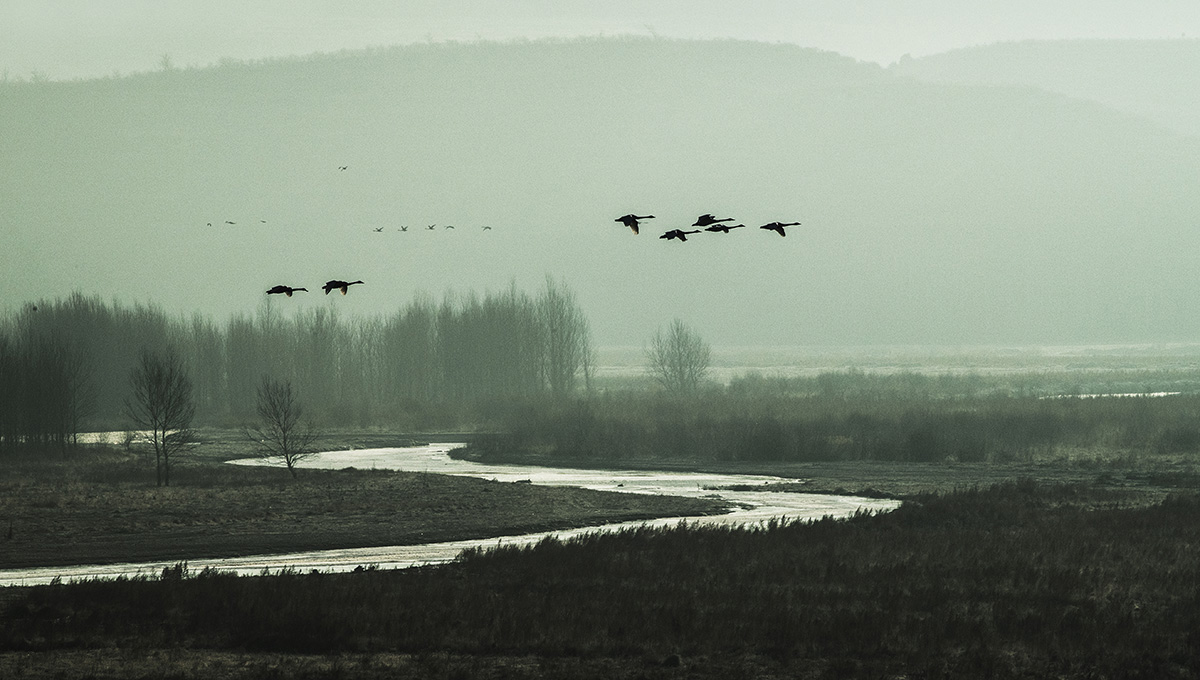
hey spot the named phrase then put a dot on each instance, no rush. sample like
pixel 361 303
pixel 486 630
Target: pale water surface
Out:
pixel 757 506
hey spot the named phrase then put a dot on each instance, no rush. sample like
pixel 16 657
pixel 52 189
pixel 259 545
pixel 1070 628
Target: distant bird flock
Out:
pixel 706 222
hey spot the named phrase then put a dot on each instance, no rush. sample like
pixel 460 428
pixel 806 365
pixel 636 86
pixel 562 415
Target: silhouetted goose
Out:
pixel 338 285
pixel 777 227
pixel 286 290
pixel 631 220
pixel 228 222
pixel 707 219
pixel 679 234
pixel 210 224
pixel 431 227
pixel 377 230
pixel 343 167
pixel 723 228
pixel 486 228
pixel 449 226
pixel 403 228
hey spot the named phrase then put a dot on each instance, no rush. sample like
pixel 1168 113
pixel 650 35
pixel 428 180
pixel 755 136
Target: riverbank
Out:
pixel 971 584
pixel 1142 479
pixel 100 505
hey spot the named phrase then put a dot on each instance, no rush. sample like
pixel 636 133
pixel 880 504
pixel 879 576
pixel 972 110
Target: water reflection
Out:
pixel 754 506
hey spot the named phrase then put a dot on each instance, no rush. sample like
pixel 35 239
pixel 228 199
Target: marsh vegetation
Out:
pixel 1016 580
pixel 1088 571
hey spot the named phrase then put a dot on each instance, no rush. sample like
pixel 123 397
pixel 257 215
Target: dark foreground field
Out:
pixel 103 507
pixel 1021 579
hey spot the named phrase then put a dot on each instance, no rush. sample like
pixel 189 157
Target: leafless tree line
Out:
pixel 66 360
pixel 47 391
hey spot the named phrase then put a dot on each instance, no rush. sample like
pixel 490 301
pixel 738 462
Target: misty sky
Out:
pixel 931 214
pixel 63 39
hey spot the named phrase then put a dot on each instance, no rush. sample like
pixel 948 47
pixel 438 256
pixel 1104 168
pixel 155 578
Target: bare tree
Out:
pixel 568 344
pixel 79 403
pixel 282 433
pixel 678 358
pixel 161 404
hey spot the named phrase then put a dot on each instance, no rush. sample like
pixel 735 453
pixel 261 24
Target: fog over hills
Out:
pixel 1153 79
pixel 64 39
pixel 933 213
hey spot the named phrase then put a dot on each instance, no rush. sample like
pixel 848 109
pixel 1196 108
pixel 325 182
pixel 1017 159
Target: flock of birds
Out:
pixel 333 284
pixel 430 227
pixel 706 222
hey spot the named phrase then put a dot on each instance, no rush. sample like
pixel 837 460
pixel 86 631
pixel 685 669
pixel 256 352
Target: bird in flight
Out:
pixel 449 226
pixel 707 219
pixel 403 227
pixel 228 222
pixel 631 220
pixel 431 227
pixel 343 167
pixel 286 290
pixel 210 224
pixel 777 227
pixel 378 230
pixel 486 228
pixel 338 285
pixel 724 228
pixel 679 234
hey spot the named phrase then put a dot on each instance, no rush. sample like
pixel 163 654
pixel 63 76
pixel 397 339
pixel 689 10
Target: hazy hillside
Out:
pixel 932 213
pixel 1155 79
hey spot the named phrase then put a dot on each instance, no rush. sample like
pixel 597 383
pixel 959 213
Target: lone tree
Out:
pixel 161 404
pixel 281 433
pixel 678 358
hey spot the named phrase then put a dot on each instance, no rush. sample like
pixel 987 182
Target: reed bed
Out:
pixel 1016 580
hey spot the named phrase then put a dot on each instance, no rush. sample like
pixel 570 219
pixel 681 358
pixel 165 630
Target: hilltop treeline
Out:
pixel 68 360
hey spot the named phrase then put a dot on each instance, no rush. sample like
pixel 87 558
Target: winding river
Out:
pixel 756 506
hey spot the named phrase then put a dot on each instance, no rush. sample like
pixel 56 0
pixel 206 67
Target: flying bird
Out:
pixel 724 228
pixel 707 219
pixel 431 227
pixel 210 224
pixel 343 167
pixel 777 227
pixel 631 220
pixel 449 226
pixel 486 228
pixel 403 228
pixel 228 222
pixel 286 290
pixel 378 230
pixel 679 234
pixel 338 285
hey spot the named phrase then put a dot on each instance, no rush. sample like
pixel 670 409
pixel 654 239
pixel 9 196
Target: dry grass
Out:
pixel 103 506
